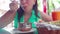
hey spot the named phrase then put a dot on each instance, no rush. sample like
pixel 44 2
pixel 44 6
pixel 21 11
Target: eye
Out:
pixel 25 0
pixel 21 0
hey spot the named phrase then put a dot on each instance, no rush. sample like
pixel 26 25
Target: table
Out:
pixel 46 31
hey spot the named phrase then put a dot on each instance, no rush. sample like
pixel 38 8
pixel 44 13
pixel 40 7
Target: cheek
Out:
pixel 30 4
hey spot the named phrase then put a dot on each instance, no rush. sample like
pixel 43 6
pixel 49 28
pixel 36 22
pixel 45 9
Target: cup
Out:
pixel 56 15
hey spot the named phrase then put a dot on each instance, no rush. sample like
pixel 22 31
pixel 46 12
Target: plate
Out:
pixel 17 31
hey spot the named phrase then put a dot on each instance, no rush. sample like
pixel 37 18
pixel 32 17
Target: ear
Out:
pixel 34 2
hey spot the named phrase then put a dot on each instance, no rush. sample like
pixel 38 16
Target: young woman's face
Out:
pixel 27 5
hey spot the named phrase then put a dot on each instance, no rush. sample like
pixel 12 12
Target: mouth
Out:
pixel 24 7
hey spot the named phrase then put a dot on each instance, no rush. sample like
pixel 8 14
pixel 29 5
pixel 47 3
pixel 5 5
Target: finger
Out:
pixel 12 0
pixel 15 2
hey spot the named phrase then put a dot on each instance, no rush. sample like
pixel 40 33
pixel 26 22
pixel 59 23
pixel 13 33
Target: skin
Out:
pixel 27 7
pixel 27 4
pixel 9 16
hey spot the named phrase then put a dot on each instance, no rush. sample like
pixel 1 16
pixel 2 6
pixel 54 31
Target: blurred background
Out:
pixel 46 6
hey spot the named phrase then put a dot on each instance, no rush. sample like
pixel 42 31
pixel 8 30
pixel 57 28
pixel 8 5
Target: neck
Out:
pixel 28 12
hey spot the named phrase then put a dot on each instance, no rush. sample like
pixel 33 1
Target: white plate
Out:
pixel 17 31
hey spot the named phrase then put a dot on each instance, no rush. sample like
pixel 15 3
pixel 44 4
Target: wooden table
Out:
pixel 46 31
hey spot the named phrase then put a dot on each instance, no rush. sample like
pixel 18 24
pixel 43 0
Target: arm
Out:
pixel 45 17
pixel 7 18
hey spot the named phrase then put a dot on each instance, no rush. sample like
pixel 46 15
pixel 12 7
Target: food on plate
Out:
pixel 25 26
pixel 55 22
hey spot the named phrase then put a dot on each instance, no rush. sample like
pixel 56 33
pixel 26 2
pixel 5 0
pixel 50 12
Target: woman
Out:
pixel 27 12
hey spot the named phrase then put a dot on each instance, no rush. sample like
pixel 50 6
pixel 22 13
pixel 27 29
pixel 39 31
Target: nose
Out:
pixel 24 1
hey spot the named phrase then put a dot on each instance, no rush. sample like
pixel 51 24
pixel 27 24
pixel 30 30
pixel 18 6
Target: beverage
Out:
pixel 56 15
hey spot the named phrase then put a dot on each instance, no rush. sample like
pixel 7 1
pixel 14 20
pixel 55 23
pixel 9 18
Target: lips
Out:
pixel 25 7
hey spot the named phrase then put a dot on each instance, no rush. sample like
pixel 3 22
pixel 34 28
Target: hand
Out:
pixel 13 5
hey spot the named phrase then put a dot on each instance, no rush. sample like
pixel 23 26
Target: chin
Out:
pixel 26 10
